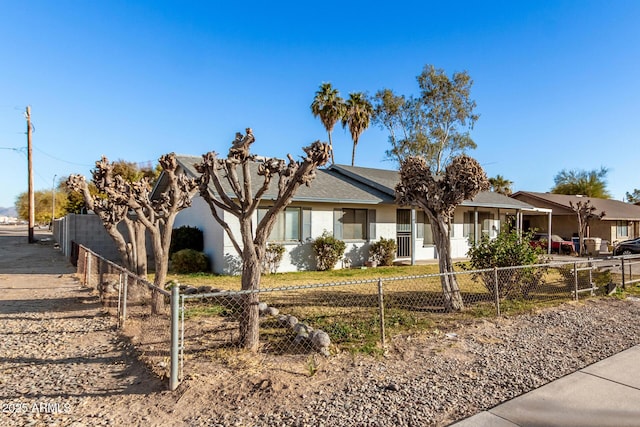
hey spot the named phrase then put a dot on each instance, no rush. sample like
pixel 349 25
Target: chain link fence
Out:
pixel 129 299
pixel 203 322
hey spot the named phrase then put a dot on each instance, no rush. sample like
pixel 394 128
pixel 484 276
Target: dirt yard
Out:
pixel 63 363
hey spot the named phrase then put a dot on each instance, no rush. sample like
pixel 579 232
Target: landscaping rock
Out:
pixel 271 311
pixel 262 307
pixel 292 321
pixel 321 339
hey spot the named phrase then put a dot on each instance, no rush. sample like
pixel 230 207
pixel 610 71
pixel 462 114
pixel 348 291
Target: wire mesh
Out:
pixel 129 299
pixel 332 317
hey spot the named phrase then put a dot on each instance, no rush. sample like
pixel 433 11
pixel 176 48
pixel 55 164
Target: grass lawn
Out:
pixel 305 277
pixel 350 313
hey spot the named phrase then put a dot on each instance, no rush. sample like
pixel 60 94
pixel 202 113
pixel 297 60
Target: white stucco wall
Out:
pixel 299 255
pixel 199 215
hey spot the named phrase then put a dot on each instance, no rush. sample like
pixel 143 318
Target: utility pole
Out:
pixel 30 171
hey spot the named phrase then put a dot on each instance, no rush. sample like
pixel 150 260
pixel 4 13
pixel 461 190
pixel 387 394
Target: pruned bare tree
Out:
pixel 131 248
pixel 239 198
pixel 157 215
pixel 585 212
pixel 438 196
pixel 119 197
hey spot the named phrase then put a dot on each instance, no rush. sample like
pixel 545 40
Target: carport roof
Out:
pixel 615 210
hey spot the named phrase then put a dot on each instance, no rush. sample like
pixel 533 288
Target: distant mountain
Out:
pixel 9 212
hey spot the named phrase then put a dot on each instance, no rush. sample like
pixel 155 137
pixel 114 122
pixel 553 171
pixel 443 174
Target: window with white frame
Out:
pixel 354 224
pixel 423 228
pixel 485 221
pixel 622 229
pixel 291 225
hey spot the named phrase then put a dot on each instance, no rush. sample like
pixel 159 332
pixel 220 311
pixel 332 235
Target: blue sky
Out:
pixel 556 82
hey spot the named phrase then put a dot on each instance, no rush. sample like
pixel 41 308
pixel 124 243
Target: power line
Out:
pixel 36 172
pixel 61 160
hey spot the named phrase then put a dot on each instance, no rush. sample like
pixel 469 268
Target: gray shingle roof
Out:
pixel 350 184
pixel 614 209
pixel 328 186
pixel 386 180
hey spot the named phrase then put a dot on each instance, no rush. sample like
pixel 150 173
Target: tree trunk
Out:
pixel 161 258
pixel 580 235
pixel 450 289
pixel 121 245
pixel 141 249
pixel 331 148
pixel 249 320
pixel 353 154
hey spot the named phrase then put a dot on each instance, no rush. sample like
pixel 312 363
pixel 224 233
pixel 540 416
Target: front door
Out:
pixel 403 232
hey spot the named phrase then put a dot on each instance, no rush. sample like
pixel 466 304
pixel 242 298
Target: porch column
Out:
pixel 519 221
pixel 413 236
pixel 476 234
pixel 549 228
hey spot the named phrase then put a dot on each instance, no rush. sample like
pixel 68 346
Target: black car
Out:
pixel 627 247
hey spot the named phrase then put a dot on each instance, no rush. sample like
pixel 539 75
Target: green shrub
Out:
pixel 328 251
pixel 508 249
pixel 383 252
pixel 186 237
pixel 189 261
pixel 272 258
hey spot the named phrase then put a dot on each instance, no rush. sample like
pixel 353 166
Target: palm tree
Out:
pixel 357 116
pixel 330 107
pixel 501 185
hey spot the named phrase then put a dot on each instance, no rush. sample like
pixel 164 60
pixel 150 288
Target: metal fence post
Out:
pixel 496 291
pixel 575 279
pixel 175 301
pixel 124 298
pixel 119 313
pixel 181 374
pixel 381 313
pixel 622 268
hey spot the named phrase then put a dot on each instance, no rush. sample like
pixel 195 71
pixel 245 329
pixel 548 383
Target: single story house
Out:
pixel 621 220
pixel 356 205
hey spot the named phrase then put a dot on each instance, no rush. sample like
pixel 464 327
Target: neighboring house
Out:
pixel 621 220
pixel 357 206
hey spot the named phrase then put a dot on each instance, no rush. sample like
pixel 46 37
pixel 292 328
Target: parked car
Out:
pixel 627 247
pixel 558 244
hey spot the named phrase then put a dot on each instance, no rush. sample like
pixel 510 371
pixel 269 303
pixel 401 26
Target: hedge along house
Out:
pixel 354 204
pixel 621 220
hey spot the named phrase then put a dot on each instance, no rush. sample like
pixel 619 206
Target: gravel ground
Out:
pixel 436 380
pixel 63 363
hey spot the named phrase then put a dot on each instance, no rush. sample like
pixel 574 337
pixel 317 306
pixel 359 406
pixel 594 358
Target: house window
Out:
pixel 468 226
pixel 291 225
pixel 354 224
pixel 423 229
pixel 485 222
pixel 622 229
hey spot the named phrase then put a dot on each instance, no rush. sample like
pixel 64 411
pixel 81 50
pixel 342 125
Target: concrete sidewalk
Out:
pixel 606 393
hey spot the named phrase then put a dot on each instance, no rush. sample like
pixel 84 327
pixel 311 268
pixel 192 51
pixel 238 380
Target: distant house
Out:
pixel 621 220
pixel 357 206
